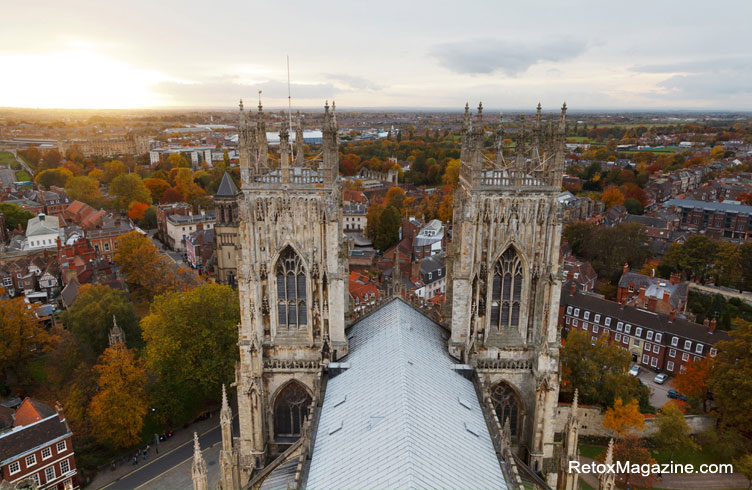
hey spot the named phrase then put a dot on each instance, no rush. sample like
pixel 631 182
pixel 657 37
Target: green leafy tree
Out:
pixel 112 169
pixel 90 319
pixel 57 177
pixel 191 348
pixel 633 206
pixel 693 258
pixel 22 338
pixel 598 371
pixel 743 465
pixel 128 188
pixel 731 377
pixel 51 159
pixel 84 189
pixel 673 430
pixel 15 216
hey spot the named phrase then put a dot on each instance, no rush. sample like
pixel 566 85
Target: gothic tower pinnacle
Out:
pixel 198 468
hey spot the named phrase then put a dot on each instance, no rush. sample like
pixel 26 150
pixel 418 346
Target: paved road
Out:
pixel 153 468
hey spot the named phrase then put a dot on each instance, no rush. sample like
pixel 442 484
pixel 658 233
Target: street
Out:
pixel 148 470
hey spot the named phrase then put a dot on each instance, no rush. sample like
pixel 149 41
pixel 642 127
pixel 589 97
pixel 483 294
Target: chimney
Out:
pixel 712 325
pixel 572 288
pixel 59 409
pixel 706 323
pixel 626 268
pixel 675 278
pixel 642 292
pixel 671 316
pixel 666 297
pixel 623 303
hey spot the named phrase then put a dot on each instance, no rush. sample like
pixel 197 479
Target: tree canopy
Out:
pixel 15 216
pixel 191 348
pixel 90 319
pixel 118 409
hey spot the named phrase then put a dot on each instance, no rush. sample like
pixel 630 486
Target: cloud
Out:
pixel 353 82
pixel 224 92
pixel 710 78
pixel 484 56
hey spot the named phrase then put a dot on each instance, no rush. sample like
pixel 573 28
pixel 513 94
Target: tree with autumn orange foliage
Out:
pixel 612 196
pixel 118 409
pixel 622 419
pixel 171 195
pixel 22 338
pixel 157 188
pixel 446 208
pixel 693 380
pixel 137 211
pixel 143 266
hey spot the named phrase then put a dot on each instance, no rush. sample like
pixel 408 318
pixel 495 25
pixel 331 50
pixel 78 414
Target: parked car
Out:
pixel 635 370
pixel 661 378
pixel 675 394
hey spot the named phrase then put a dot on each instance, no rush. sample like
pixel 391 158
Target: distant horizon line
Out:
pixel 427 109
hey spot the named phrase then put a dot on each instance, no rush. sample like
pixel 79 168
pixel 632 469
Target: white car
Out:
pixel 660 378
pixel 635 370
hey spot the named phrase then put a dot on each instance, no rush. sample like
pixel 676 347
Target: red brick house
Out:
pixel 661 342
pixel 38 448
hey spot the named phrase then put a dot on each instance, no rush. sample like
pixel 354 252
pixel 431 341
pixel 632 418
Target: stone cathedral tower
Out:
pixel 291 280
pixel 503 293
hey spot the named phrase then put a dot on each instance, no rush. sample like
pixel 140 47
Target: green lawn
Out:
pixel 23 176
pixel 6 158
pixel 590 451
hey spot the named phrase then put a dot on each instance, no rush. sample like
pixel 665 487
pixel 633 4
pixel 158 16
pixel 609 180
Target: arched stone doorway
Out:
pixel 508 405
pixel 290 409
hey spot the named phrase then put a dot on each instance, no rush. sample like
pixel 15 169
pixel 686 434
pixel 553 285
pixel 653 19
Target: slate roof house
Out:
pixel 37 447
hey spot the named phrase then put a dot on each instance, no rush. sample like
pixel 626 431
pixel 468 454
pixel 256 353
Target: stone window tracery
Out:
pixel 507 406
pixel 290 409
pixel 506 291
pixel 291 290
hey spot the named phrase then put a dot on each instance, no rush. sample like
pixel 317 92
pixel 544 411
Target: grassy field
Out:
pixel 6 158
pixel 22 176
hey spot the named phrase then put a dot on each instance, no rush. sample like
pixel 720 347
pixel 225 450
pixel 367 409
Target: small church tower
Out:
pixel 116 335
pixel 503 275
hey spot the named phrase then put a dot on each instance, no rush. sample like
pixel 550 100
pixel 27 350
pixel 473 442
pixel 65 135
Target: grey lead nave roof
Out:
pixel 400 417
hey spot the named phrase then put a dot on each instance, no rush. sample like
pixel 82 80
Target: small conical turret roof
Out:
pixel 227 187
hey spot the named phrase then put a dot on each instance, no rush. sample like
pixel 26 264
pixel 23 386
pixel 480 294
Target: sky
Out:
pixel 659 54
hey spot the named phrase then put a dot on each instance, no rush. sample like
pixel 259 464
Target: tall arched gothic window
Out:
pixel 507 290
pixel 291 290
pixel 290 409
pixel 507 406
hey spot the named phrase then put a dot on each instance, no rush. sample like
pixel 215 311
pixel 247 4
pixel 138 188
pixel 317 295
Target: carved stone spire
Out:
pixel 299 142
pixel 500 142
pixel 225 418
pixel 396 274
pixel 262 142
pixel 607 480
pixel 198 468
pixel 537 127
pixel 569 451
pixel 116 336
pixel 284 152
pixel 330 145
